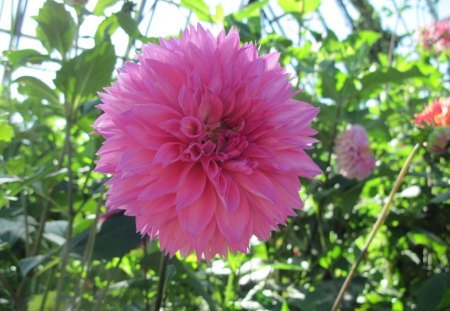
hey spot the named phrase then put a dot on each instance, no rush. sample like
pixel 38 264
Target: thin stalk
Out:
pixel 47 287
pixel 9 289
pixel 376 226
pixel 162 281
pixel 86 261
pixel 67 247
pixel 144 270
pixel 27 231
pixel 104 289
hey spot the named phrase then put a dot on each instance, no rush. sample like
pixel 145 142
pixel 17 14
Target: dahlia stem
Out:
pixel 375 228
pixel 162 280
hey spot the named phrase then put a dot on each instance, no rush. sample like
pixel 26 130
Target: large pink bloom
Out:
pixel 205 143
pixel 354 157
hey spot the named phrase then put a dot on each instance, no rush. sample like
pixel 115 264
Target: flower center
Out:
pixel 223 142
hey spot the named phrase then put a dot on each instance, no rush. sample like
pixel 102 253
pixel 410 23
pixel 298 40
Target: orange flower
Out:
pixel 436 114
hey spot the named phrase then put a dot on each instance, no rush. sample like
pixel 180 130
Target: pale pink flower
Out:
pixel 205 143
pixel 354 157
pixel 436 36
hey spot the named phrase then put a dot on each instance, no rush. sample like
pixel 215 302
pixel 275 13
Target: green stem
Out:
pixel 162 281
pixel 377 226
pixel 25 218
pixel 144 270
pixel 47 288
pixel 67 247
pixel 104 289
pixel 86 261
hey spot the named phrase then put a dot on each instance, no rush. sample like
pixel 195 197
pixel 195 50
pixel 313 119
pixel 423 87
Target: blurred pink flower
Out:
pixel 354 157
pixel 205 143
pixel 436 36
pixel 436 114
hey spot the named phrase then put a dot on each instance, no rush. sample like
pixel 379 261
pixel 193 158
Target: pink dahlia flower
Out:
pixel 436 36
pixel 436 114
pixel 205 143
pixel 354 157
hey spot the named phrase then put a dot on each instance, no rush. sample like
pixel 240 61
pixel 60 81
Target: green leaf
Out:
pixel 37 90
pixel 6 132
pixel 106 28
pixel 328 75
pixel 128 24
pixel 432 292
pixel 102 5
pixel 82 77
pixel 197 286
pixel 28 264
pixel 200 8
pixel 441 198
pixel 22 57
pixel 389 75
pixel 117 236
pixel 299 6
pixel 56 28
pixel 11 230
pixel 252 10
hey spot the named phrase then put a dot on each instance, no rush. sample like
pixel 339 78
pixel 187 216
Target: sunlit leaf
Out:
pixel 299 6
pixel 56 28
pixel 37 90
pixel 6 132
pixel 199 7
pixel 28 264
pixel 83 76
pixel 102 5
pixel 251 10
pixel 27 56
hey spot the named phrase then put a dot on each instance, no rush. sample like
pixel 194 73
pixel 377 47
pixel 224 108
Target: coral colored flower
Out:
pixel 436 36
pixel 205 143
pixel 354 157
pixel 436 114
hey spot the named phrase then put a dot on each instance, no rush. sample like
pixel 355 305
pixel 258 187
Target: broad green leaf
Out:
pixel 128 24
pixel 28 264
pixel 426 238
pixel 11 230
pixel 38 90
pixel 389 75
pixel 56 28
pixel 102 5
pixel 200 8
pixel 117 236
pixel 299 6
pixel 251 10
pixel 36 301
pixel 432 292
pixel 218 15
pixel 195 283
pixel 82 77
pixel 441 198
pixel 328 75
pixel 22 57
pixel 6 132
pixel 106 28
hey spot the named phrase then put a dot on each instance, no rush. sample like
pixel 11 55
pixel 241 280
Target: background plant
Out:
pixel 58 252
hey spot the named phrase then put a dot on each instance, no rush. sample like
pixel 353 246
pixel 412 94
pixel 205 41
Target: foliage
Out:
pixel 51 200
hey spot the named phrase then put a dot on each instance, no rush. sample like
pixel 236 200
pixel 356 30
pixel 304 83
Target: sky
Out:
pixel 169 19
